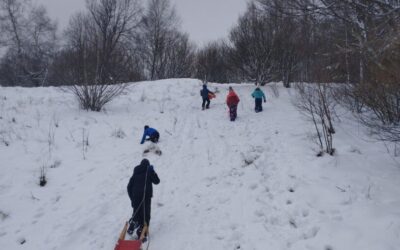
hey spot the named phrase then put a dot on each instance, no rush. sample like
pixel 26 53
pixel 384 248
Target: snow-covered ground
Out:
pixel 250 184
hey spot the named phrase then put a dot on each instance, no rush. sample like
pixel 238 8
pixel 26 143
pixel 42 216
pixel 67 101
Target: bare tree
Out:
pixel 114 21
pixel 212 63
pixel 252 47
pixel 179 56
pixel 158 26
pixel 97 57
pixel 30 40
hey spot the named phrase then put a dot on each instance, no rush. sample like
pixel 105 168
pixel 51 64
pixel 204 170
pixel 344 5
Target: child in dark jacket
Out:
pixel 205 95
pixel 140 191
pixel 151 133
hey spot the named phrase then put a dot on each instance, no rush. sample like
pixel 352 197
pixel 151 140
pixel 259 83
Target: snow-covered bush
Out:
pixel 93 97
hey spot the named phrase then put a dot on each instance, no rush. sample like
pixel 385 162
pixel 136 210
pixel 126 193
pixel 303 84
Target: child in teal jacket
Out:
pixel 258 96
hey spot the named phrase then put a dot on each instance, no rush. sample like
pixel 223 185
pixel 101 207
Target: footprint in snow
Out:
pixel 219 237
pixel 291 190
pixel 21 240
pixel 312 233
pixel 292 223
pixel 259 213
pixel 253 186
pixel 234 227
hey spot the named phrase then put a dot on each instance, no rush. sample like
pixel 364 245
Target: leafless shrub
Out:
pixel 51 139
pixel 85 142
pixel 94 97
pixel 161 105
pixel 5 137
pixel 118 133
pixel 316 102
pixel 38 117
pixel 344 94
pixel 56 120
pixel 42 177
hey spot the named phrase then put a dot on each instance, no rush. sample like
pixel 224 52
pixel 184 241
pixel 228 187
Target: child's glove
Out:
pixel 151 168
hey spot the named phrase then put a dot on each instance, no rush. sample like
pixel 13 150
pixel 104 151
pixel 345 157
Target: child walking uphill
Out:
pixel 206 98
pixel 232 100
pixel 140 191
pixel 258 96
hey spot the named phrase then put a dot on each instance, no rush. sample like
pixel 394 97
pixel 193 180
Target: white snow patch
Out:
pixel 250 184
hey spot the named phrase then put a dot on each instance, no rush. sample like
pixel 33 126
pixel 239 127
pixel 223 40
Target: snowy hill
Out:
pixel 250 184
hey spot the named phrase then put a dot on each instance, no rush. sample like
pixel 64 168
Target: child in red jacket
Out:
pixel 232 100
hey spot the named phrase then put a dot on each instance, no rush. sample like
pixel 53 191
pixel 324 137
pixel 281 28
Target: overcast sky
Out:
pixel 204 20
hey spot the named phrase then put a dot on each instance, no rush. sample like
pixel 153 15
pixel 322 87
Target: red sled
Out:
pixel 211 96
pixel 123 244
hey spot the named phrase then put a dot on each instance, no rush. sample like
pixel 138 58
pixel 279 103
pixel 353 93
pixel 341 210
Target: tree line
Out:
pixel 113 41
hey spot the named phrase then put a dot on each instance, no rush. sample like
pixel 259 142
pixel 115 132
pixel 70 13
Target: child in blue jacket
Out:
pixel 151 133
pixel 258 96
pixel 206 99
